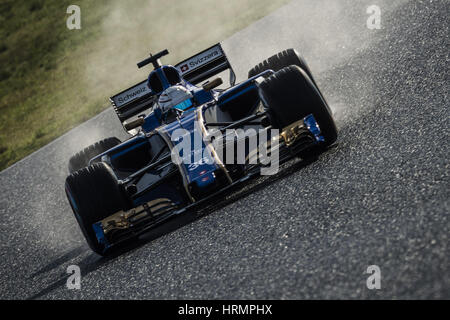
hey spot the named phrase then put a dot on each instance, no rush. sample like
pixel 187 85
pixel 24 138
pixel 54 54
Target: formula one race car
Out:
pixel 191 141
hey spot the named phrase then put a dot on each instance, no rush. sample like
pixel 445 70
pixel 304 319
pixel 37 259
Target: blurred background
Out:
pixel 53 78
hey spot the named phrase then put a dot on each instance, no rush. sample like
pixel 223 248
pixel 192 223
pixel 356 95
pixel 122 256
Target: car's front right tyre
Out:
pixel 94 194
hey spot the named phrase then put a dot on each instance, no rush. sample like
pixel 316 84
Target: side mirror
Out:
pixel 212 84
pixel 133 124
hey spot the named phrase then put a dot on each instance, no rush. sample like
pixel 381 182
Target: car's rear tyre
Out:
pixel 81 159
pixel 281 60
pixel 94 194
pixel 290 95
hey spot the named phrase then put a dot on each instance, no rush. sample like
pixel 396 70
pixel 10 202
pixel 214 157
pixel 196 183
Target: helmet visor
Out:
pixel 184 105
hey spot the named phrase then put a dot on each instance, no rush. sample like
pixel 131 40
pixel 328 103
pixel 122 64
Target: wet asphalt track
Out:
pixel 381 196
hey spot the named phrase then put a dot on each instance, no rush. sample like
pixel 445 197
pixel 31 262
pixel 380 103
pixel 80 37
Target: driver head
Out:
pixel 172 97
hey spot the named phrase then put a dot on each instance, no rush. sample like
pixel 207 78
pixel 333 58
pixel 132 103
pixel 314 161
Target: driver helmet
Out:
pixel 173 96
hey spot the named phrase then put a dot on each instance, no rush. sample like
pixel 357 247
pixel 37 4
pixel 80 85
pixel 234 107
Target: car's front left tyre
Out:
pixel 290 95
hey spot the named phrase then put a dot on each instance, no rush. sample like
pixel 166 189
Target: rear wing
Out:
pixel 132 101
pixel 205 65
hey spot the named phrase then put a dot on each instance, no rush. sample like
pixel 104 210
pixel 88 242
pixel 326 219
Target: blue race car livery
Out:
pixel 191 141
